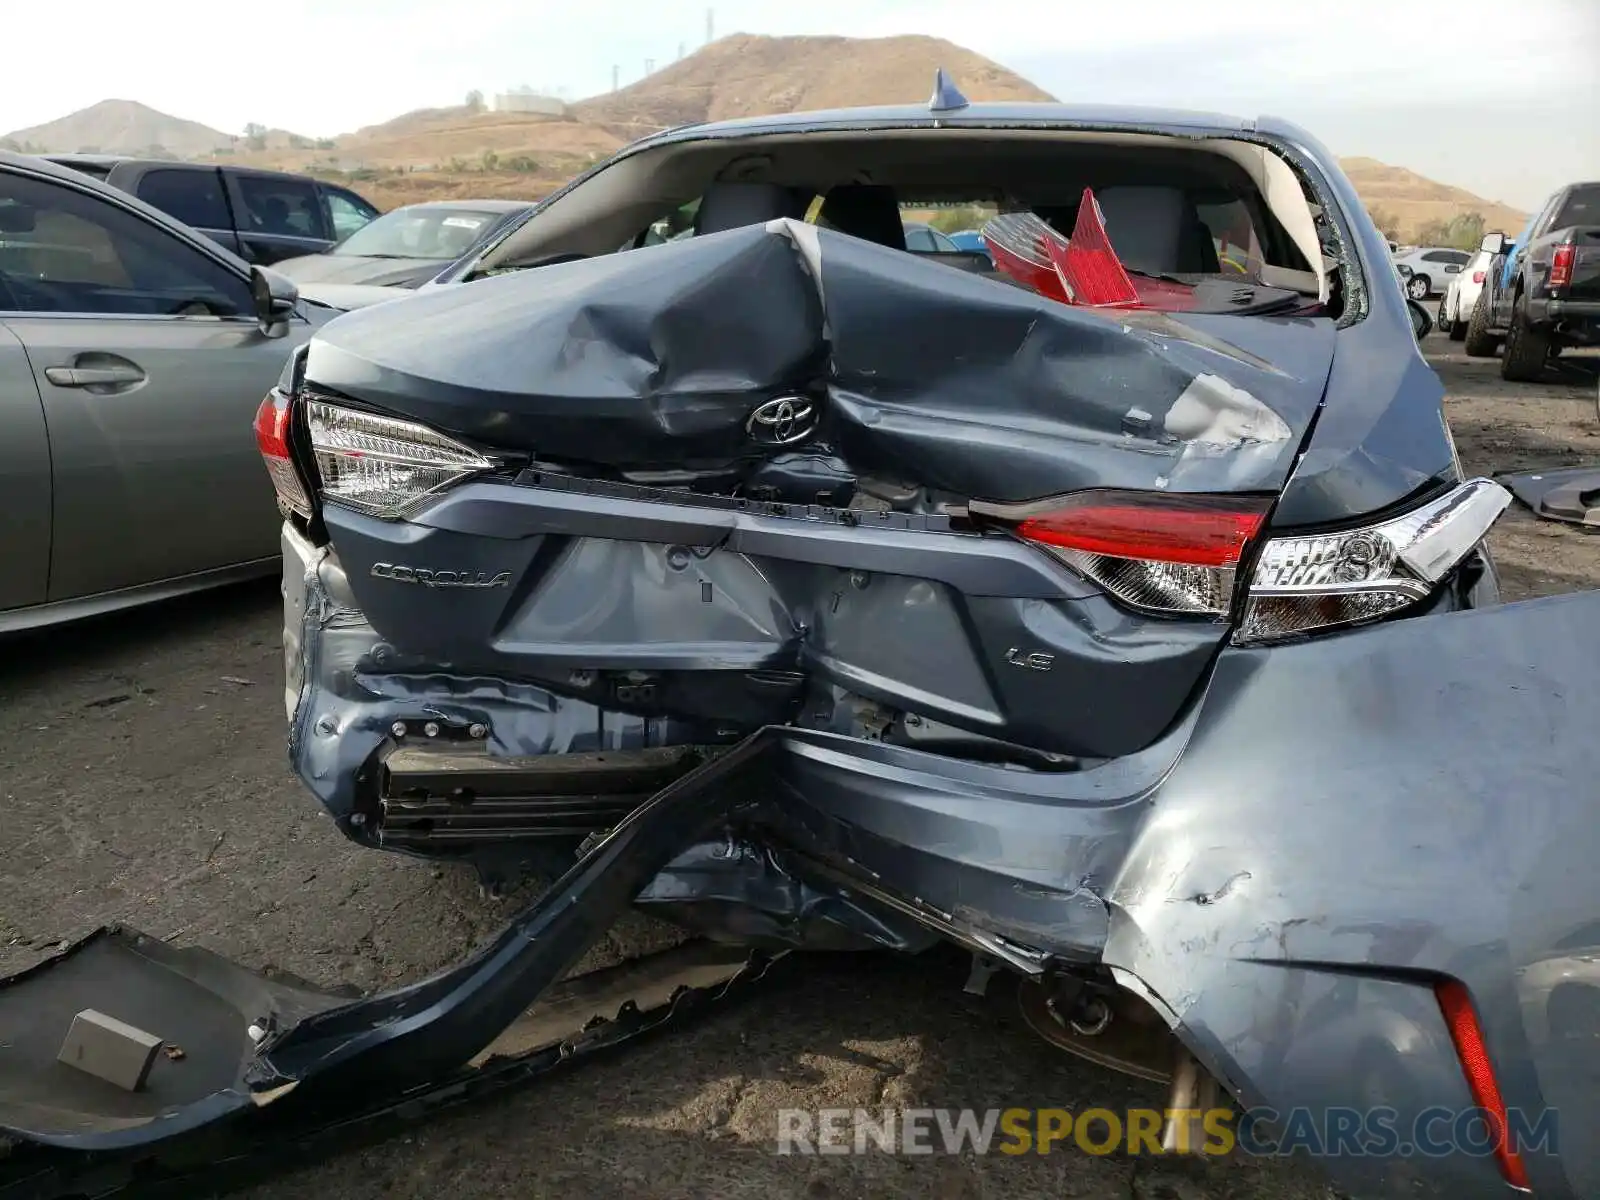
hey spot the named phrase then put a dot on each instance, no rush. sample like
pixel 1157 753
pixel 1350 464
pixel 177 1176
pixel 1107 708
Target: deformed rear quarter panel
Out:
pixel 1357 815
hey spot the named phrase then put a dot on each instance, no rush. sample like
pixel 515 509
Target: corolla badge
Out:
pixel 400 573
pixel 783 421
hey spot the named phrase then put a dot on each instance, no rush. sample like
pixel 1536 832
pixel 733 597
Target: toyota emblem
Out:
pixel 783 421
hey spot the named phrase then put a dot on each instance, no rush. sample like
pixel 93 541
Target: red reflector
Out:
pixel 1477 277
pixel 1201 531
pixel 1462 1019
pixel 1561 264
pixel 272 428
pixel 272 439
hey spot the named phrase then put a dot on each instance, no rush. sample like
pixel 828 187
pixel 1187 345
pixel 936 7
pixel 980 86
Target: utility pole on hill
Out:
pixel 649 66
pixel 616 73
pixel 711 22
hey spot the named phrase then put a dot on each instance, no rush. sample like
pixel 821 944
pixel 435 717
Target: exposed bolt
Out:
pixel 858 579
pixel 581 678
pixel 478 730
pixel 1092 1017
pixel 913 720
pixel 327 726
pixel 358 818
pixel 380 653
pixel 431 729
pixel 257 1034
pixel 398 729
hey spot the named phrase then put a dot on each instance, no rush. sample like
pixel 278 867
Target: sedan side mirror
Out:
pixel 1421 322
pixel 275 299
pixel 1494 243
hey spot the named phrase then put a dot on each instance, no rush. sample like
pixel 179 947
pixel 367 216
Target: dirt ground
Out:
pixel 145 781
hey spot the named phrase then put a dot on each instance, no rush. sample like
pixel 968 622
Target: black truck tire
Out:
pixel 1480 342
pixel 1527 349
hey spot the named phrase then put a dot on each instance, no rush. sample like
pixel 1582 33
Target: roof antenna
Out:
pixel 946 96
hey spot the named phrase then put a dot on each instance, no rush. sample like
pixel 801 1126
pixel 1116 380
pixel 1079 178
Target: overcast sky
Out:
pixel 1498 97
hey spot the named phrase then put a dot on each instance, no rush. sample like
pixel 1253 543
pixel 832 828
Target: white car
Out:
pixel 1455 310
pixel 1429 269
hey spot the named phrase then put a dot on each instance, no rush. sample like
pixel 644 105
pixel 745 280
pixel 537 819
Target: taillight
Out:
pixel 1473 1053
pixel 272 439
pixel 1321 581
pixel 383 466
pixel 1477 277
pixel 1159 553
pixel 1180 555
pixel 1561 265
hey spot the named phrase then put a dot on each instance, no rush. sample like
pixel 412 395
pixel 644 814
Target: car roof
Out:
pixel 172 164
pixel 499 206
pixel 1051 113
pixel 41 165
pixel 99 160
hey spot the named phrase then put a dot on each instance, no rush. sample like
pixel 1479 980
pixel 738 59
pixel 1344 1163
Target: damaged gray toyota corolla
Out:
pixel 1110 604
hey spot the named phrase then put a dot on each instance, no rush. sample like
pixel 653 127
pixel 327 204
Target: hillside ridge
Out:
pixel 468 151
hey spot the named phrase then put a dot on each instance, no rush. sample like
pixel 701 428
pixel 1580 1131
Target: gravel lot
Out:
pixel 146 782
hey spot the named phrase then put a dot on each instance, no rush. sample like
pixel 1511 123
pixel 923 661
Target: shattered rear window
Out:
pixel 1087 270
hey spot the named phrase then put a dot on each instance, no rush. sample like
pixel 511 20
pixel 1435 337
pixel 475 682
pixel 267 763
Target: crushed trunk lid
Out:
pixel 658 359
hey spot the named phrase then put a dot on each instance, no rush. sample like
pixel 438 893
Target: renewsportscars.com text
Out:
pixel 1332 1132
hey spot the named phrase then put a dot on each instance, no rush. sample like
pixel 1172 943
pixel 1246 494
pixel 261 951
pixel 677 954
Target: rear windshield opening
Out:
pixel 1207 212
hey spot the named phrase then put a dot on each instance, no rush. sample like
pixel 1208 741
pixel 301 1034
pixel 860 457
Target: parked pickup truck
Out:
pixel 1542 291
pixel 262 216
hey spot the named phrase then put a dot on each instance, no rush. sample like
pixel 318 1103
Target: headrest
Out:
pixel 1156 230
pixel 728 205
pixel 863 210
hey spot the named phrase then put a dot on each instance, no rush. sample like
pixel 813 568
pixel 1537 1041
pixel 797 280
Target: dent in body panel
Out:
pixel 737 596
pixel 1432 823
pixel 656 359
pixel 638 604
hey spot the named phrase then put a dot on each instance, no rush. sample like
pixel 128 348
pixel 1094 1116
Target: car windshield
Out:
pixel 420 231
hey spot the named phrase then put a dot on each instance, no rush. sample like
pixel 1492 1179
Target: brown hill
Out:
pixel 122 127
pixel 462 138
pixel 745 75
pixel 433 153
pixel 1411 201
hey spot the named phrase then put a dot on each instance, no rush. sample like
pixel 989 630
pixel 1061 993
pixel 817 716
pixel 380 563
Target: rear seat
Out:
pixel 862 210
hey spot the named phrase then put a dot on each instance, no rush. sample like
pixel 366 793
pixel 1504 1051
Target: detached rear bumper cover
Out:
pixel 1340 823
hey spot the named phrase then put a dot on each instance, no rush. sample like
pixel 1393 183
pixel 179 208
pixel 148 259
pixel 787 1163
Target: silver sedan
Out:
pixel 133 354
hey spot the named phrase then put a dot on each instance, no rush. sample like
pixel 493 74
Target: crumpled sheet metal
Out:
pixel 737 889
pixel 655 358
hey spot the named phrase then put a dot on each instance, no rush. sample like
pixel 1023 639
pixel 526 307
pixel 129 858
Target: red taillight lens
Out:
pixel 1087 264
pixel 1561 265
pixel 1477 276
pixel 272 439
pixel 1083 270
pixel 1462 1020
pixel 1173 554
pixel 1193 531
